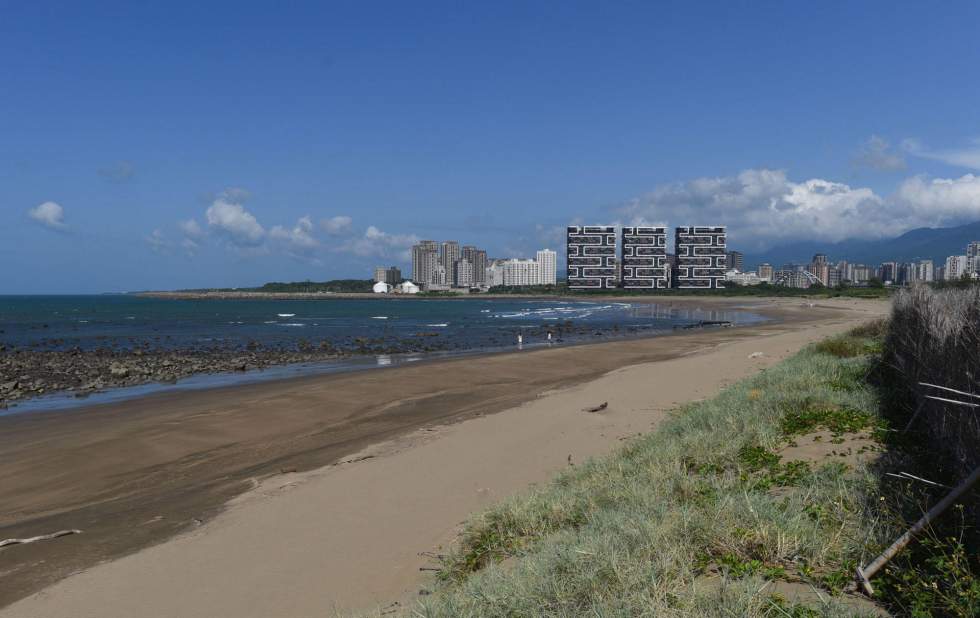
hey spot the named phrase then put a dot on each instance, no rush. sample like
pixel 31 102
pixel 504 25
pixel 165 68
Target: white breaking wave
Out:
pixel 286 315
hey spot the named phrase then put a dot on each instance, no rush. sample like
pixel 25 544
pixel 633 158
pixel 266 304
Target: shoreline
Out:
pixel 42 380
pixel 168 462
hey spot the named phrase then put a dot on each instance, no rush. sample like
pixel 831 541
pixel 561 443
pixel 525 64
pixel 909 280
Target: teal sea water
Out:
pixel 446 326
pixel 87 322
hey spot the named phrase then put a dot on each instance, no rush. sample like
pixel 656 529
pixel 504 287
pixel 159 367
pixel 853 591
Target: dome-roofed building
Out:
pixel 407 287
pixel 382 288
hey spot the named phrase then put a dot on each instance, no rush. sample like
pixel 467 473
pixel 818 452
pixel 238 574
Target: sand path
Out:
pixel 349 536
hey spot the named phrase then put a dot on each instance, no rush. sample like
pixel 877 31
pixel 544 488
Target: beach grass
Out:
pixel 702 517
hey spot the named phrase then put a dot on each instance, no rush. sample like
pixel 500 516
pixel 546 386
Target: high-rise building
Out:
pixel 390 275
pixel 819 258
pixel 478 258
pixel 590 255
pixel 464 274
pixel 439 276
pixel 700 257
pixel 923 270
pixel 494 274
pixel 644 258
pixel 906 273
pixel 425 256
pixel 734 260
pixel 449 254
pixel 547 267
pixel 956 267
pixel 889 272
pixel 973 257
pixel 520 272
pixel 833 277
pixel 860 273
pixel 764 271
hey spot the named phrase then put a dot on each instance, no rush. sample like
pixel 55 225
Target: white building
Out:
pixel 547 267
pixel 956 266
pixel 494 274
pixel 464 274
pixel 382 288
pixel 407 287
pixel 521 272
pixel 741 278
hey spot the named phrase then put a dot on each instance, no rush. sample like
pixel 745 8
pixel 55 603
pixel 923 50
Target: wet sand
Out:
pixel 136 473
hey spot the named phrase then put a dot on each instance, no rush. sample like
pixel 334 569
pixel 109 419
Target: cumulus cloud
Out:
pixel 940 201
pixel 764 207
pixel 120 171
pixel 49 214
pixel 297 242
pixel 229 219
pixel 967 156
pixel 376 243
pixel 337 226
pixel 878 154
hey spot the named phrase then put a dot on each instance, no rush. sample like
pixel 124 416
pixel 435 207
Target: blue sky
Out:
pixel 165 145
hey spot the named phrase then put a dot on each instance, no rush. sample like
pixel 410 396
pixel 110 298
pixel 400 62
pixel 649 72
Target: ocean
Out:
pixel 447 327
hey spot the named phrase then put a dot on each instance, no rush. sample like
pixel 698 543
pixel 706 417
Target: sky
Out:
pixel 211 144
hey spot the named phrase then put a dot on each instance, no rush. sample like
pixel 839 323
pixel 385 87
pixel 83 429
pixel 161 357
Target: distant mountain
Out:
pixel 923 243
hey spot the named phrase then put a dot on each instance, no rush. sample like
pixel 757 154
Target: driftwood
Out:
pixel 43 537
pixel 599 408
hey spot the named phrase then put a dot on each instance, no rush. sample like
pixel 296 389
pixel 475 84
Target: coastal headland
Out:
pixel 302 496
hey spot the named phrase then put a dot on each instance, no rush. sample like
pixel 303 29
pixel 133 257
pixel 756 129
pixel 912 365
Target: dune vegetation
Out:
pixel 758 502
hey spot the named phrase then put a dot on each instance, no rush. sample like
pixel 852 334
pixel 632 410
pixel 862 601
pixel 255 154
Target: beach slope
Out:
pixel 348 534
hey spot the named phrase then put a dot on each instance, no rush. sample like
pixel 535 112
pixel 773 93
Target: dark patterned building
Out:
pixel 644 259
pixel 700 257
pixel 591 257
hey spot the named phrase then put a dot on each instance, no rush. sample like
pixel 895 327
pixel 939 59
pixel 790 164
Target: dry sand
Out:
pixel 348 536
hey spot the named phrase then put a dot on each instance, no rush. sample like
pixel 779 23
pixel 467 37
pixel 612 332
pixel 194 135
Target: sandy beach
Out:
pixel 318 494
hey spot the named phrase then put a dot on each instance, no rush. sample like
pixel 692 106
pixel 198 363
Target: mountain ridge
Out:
pixel 924 243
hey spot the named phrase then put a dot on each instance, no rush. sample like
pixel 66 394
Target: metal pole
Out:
pixel 864 575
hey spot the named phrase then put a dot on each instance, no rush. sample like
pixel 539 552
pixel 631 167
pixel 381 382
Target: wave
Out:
pixel 379 317
pixel 437 324
pixel 286 315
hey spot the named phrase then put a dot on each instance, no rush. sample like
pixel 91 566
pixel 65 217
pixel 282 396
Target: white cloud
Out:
pixel 49 214
pixel 191 228
pixel 763 207
pixel 190 246
pixel 158 242
pixel 376 243
pixel 336 226
pixel 878 154
pixel 966 156
pixel 940 201
pixel 231 220
pixel 297 242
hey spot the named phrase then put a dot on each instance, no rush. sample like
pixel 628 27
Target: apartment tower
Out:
pixel 700 257
pixel 591 257
pixel 644 258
